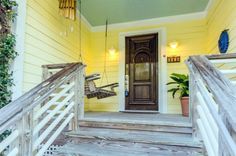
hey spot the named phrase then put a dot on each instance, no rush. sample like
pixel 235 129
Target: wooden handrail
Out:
pixel 58 99
pixel 213 100
pixel 57 66
pixel 222 56
pixel 27 102
pixel 221 87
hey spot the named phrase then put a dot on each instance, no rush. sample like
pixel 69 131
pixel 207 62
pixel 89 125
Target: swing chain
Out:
pixel 80 31
pixel 105 59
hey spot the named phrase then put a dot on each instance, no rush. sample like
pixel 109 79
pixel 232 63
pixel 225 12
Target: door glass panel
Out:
pixel 142 67
pixel 142 71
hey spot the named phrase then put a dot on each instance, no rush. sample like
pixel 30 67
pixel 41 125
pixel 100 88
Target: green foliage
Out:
pixel 4 135
pixel 7 54
pixel 181 83
pixel 8 6
pixel 7 51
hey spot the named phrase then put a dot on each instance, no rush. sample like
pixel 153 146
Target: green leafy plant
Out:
pixel 7 54
pixel 7 49
pixel 181 83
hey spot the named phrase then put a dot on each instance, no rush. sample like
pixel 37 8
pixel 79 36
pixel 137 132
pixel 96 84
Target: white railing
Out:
pixel 213 101
pixel 226 65
pixel 37 118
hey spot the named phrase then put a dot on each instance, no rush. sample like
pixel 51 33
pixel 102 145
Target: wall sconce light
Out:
pixel 112 51
pixel 174 44
pixel 173 59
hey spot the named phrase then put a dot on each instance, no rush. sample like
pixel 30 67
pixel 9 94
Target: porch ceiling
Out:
pixel 118 11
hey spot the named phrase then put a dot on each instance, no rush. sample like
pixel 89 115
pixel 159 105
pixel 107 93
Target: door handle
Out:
pixel 126 85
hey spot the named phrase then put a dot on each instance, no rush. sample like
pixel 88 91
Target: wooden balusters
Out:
pixel 78 80
pixel 38 117
pixel 213 99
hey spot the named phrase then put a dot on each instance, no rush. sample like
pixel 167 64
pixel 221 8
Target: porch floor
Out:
pixel 141 118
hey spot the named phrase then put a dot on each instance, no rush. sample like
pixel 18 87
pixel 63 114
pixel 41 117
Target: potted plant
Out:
pixel 181 83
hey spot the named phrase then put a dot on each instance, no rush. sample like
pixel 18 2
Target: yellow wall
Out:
pixel 45 45
pixel 191 36
pixel 222 16
pixel 195 37
pixel 45 41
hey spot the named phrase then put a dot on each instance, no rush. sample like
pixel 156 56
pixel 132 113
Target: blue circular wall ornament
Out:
pixel 223 42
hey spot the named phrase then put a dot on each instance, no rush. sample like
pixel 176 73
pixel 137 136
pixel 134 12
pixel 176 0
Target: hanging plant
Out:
pixel 7 53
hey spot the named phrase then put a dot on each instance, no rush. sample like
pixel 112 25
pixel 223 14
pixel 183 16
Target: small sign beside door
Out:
pixel 173 59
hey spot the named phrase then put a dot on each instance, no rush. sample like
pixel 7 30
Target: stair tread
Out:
pixel 119 134
pixel 187 129
pixel 127 121
pixel 136 136
pixel 88 147
pixel 137 118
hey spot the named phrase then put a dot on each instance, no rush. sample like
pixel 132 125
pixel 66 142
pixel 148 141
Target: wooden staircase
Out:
pixel 38 118
pixel 131 138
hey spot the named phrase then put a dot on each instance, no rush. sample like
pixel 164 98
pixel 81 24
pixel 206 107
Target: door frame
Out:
pixel 162 66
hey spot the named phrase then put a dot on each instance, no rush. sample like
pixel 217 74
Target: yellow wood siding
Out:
pixel 45 45
pixel 222 16
pixel 44 41
pixel 191 36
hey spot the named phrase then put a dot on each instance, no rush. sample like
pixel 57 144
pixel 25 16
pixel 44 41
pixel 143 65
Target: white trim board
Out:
pixel 209 5
pixel 18 63
pixel 86 22
pixel 162 67
pixel 153 21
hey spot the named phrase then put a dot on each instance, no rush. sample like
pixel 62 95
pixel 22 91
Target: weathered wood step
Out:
pixel 144 118
pixel 91 147
pixel 158 126
pixel 125 134
pixel 136 136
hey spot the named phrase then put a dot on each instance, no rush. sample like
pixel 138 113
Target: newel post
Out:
pixel 193 102
pixel 79 97
pixel 26 137
pixel 45 73
pixel 81 91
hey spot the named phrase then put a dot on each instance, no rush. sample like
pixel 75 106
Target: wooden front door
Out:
pixel 141 72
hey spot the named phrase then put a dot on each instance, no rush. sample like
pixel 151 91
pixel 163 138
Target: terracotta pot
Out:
pixel 185 106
